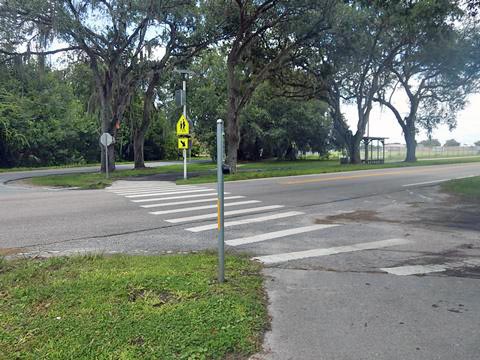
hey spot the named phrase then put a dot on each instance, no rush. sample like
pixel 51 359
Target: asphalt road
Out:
pixel 375 264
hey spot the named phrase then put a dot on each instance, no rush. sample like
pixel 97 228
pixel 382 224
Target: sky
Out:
pixel 383 123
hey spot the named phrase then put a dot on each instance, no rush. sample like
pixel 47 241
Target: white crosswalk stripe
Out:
pixel 298 255
pixel 188 202
pixel 172 211
pixel 196 204
pixel 430 268
pixel 176 197
pixel 167 193
pixel 138 185
pixel 133 192
pixel 226 213
pixel 152 186
pixel 246 221
pixel 276 234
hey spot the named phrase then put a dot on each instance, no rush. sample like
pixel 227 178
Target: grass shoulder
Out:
pixel 267 169
pixel 131 307
pixel 98 180
pixel 468 188
pixel 69 166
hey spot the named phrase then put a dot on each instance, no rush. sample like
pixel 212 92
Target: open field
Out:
pixel 130 307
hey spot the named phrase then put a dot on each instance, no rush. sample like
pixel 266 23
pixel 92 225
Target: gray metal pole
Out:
pixel 185 114
pixel 106 155
pixel 220 205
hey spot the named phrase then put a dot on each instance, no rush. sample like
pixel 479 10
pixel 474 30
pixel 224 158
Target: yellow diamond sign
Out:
pixel 183 127
pixel 182 143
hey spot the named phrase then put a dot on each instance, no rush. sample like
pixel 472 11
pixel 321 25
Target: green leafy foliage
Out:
pixel 451 142
pixel 270 125
pixel 41 121
pixel 430 142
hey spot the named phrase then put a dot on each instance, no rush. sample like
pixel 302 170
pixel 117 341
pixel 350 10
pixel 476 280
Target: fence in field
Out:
pixel 395 152
pixel 398 152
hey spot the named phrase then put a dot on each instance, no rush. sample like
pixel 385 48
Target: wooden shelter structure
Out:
pixel 374 150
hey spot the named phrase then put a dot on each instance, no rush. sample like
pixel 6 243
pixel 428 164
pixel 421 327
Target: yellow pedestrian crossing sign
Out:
pixel 182 143
pixel 183 127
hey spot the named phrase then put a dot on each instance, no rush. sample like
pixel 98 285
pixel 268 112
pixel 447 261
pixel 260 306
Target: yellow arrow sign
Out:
pixel 182 143
pixel 183 127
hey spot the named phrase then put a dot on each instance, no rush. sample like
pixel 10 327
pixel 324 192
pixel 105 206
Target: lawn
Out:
pixel 266 169
pixel 468 188
pixel 2 170
pixel 250 170
pixel 99 181
pixel 130 307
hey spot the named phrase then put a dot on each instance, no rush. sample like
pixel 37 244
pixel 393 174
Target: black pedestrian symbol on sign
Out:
pixel 183 127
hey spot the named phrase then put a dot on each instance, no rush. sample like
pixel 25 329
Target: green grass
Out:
pixel 268 169
pixel 2 170
pixel 468 188
pixel 130 307
pixel 252 170
pixel 98 180
pixel 68 166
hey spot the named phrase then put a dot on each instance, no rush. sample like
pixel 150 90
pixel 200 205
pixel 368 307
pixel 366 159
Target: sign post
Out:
pixel 184 88
pixel 106 140
pixel 183 131
pixel 220 203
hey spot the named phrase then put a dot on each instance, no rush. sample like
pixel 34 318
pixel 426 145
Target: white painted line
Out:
pixel 176 197
pixel 246 221
pixel 155 190
pixel 438 181
pixel 168 193
pixel 134 188
pixel 133 184
pixel 139 186
pixel 427 269
pixel 188 202
pixel 298 255
pixel 426 182
pixel 414 269
pixel 226 213
pixel 151 187
pixel 173 211
pixel 276 234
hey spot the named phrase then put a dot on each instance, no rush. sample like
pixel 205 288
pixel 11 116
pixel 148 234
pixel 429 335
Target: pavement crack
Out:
pixel 101 236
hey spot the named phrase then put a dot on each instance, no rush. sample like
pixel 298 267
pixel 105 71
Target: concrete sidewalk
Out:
pixel 363 316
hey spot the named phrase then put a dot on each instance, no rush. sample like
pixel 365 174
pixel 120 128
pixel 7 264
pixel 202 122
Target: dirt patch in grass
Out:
pixel 10 251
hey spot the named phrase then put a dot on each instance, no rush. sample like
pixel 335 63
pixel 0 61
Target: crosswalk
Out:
pixel 194 209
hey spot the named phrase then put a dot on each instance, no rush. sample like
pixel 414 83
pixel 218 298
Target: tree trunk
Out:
pixel 232 129
pixel 140 129
pixel 138 153
pixel 351 142
pixel 232 132
pixel 411 144
pixel 106 117
pixel 353 149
